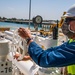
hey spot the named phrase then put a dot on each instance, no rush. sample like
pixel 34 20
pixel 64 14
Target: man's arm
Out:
pixel 53 57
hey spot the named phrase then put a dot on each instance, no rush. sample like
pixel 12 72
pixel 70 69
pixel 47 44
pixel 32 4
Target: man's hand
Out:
pixel 24 33
pixel 24 59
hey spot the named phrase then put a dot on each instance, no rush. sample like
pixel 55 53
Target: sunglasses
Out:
pixel 69 19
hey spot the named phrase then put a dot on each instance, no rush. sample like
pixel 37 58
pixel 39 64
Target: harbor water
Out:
pixel 14 26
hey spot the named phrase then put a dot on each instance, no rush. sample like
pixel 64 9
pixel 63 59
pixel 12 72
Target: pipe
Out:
pixel 26 67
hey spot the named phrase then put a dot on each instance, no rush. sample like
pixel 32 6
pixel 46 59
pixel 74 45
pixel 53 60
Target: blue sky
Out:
pixel 48 9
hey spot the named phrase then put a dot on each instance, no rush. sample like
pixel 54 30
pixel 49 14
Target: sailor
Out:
pixel 71 68
pixel 58 56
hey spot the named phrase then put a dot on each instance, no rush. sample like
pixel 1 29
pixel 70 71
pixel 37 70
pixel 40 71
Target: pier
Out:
pixel 27 22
